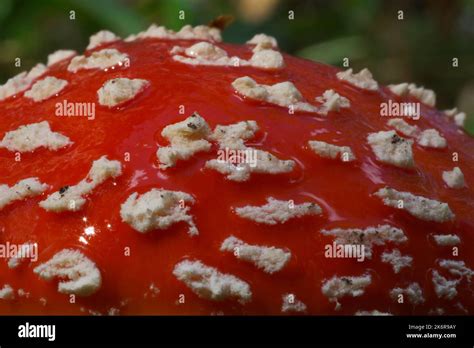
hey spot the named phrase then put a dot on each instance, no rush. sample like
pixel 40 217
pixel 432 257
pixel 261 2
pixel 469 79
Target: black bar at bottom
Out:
pixel 262 330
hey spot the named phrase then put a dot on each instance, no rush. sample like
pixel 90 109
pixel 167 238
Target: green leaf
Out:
pixel 470 125
pixel 5 9
pixel 333 51
pixel 111 14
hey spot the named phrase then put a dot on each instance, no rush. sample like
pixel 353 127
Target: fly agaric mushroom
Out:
pixel 173 173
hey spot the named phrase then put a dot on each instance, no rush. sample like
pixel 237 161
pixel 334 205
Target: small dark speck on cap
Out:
pixel 396 139
pixel 63 189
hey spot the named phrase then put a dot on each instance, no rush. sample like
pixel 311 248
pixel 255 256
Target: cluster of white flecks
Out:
pixel 186 138
pixel 268 259
pixel 286 94
pixel 200 32
pixel 120 90
pixel 103 59
pixel 232 137
pixel 405 89
pixel 326 150
pixel 413 292
pixel 77 273
pixel 427 138
pixel 21 82
pixel 25 188
pixel 30 137
pixel 277 211
pixel 363 79
pixel 392 149
pixel 206 53
pixel 159 208
pixel 397 260
pixel 447 287
pixel 420 207
pixel 45 88
pixel 367 237
pixel 73 198
pixel 338 287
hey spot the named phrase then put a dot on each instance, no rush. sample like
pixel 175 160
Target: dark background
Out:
pixel 419 48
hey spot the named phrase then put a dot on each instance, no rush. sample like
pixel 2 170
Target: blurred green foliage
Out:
pixel 419 48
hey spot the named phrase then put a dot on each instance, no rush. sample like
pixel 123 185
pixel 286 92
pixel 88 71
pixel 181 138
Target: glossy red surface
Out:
pixel 343 190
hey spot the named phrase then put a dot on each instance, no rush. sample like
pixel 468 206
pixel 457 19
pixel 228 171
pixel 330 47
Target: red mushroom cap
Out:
pixel 200 228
